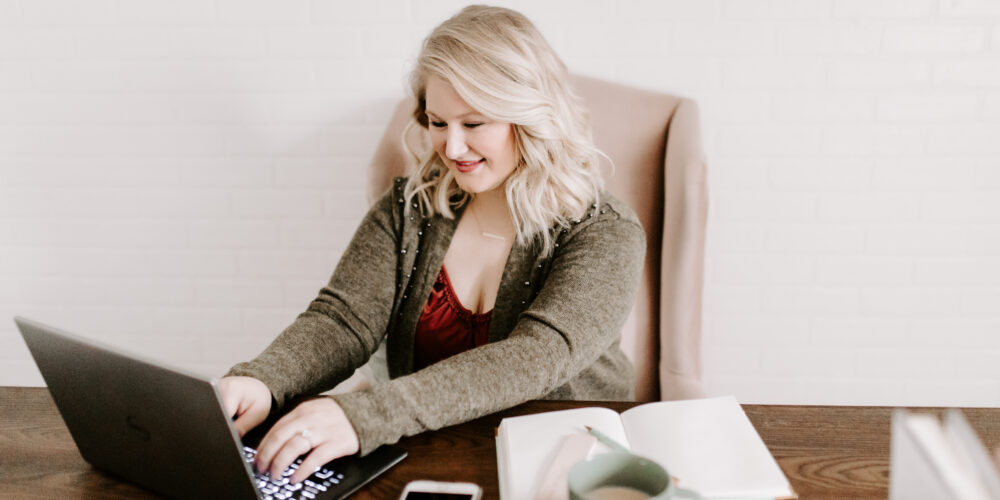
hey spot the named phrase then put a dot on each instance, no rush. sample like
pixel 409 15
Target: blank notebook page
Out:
pixel 709 445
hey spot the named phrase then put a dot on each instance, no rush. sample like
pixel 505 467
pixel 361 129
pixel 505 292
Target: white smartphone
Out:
pixel 439 490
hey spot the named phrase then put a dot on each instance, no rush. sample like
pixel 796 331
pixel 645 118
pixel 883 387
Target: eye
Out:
pixel 438 124
pixel 472 125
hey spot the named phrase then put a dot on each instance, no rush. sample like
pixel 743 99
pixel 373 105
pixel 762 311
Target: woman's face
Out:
pixel 478 151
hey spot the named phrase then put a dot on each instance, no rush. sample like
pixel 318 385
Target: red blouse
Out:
pixel 446 327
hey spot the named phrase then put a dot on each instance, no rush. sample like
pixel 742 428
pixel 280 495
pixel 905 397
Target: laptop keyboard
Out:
pixel 280 489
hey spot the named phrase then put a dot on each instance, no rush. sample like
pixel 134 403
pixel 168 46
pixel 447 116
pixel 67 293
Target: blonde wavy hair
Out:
pixel 503 68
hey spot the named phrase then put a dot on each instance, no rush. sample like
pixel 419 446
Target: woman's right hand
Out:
pixel 247 399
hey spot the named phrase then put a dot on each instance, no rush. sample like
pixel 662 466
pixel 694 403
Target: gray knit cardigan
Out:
pixel 554 333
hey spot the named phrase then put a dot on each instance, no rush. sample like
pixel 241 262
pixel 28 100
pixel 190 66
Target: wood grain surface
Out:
pixel 827 452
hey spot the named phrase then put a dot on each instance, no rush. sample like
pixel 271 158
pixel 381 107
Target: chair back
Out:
pixel 659 170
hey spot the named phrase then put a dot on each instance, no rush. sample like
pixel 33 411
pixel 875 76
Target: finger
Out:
pixel 251 416
pixel 274 440
pixel 292 449
pixel 319 456
pixel 243 424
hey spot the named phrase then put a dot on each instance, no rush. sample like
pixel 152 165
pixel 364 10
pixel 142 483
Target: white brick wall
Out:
pixel 180 177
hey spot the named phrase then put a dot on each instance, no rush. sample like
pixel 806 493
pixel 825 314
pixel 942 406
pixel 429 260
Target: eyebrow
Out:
pixel 470 113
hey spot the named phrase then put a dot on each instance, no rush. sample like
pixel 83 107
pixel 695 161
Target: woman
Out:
pixel 499 272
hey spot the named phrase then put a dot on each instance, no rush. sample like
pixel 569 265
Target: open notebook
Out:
pixel 708 444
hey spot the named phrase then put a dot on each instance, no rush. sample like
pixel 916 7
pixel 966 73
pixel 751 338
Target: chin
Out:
pixel 474 184
pixel 475 187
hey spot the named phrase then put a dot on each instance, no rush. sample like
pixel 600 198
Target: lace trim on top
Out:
pixel 454 304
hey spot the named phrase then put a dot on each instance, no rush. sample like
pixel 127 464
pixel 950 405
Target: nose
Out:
pixel 455 146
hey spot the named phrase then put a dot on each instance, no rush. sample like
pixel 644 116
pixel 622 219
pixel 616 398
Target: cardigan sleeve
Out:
pixel 344 325
pixel 574 320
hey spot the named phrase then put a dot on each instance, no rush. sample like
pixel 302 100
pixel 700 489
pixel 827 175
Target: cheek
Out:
pixel 510 151
pixel 501 145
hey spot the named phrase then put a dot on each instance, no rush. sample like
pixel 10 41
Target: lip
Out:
pixel 468 166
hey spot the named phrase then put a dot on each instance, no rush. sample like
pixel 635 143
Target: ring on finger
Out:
pixel 305 434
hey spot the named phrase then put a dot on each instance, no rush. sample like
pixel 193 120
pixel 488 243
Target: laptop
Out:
pixel 167 430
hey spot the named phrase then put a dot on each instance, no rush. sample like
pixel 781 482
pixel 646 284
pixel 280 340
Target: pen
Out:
pixel 611 443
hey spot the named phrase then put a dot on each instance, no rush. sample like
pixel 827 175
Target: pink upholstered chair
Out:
pixel 654 140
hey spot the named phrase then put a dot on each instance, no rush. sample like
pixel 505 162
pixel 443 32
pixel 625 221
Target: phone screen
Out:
pixel 424 495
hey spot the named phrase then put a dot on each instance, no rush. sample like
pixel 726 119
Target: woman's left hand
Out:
pixel 317 428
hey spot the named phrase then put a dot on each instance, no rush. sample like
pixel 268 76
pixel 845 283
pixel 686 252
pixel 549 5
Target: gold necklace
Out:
pixel 479 225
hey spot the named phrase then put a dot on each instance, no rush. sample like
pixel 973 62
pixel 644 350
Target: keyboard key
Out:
pixel 280 488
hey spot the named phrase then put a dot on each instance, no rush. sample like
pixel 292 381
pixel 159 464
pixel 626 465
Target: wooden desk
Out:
pixel 826 451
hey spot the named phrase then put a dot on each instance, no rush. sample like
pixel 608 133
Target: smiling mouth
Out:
pixel 468 166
